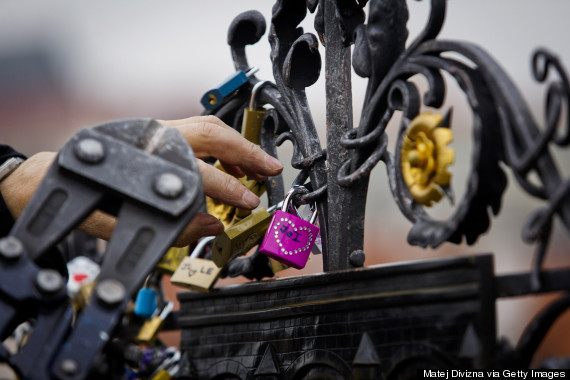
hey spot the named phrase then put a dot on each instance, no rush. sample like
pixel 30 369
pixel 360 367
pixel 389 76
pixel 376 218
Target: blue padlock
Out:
pixel 215 97
pixel 145 303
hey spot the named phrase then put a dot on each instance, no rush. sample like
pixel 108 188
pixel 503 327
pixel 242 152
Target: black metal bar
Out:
pixel 341 240
pixel 520 284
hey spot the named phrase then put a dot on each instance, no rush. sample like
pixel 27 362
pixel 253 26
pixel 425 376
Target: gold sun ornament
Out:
pixel 425 157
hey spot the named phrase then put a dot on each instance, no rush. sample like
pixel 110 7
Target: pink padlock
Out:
pixel 289 239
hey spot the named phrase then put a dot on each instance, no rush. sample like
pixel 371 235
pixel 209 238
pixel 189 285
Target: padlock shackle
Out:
pixel 289 198
pixel 201 246
pixel 166 310
pixel 249 73
pixel 255 91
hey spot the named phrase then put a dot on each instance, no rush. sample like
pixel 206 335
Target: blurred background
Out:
pixel 65 65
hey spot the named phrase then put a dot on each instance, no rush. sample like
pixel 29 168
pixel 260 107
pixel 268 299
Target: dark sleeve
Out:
pixel 6 220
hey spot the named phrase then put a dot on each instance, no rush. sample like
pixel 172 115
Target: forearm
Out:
pixel 18 187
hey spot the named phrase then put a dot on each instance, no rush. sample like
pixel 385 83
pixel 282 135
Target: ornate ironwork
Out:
pixel 504 129
pixel 505 134
pixel 363 323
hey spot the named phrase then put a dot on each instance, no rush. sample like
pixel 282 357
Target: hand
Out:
pixel 209 137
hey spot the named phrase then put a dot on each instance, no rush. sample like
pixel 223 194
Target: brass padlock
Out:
pixel 252 115
pixel 196 274
pixel 150 329
pixel 230 215
pixel 83 296
pixel 172 259
pixel 276 266
pixel 169 367
pixel 241 237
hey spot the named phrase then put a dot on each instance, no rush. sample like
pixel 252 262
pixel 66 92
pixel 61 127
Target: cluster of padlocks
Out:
pixel 279 232
pixel 117 307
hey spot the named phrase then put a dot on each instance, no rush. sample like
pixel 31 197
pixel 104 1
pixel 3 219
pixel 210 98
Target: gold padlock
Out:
pixel 169 367
pixel 172 259
pixel 196 274
pixel 150 329
pixel 230 215
pixel 252 115
pixel 162 375
pixel 83 296
pixel 241 237
pixel 276 266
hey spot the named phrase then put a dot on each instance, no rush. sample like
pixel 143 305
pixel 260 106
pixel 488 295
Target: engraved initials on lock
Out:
pixel 196 274
pixel 289 239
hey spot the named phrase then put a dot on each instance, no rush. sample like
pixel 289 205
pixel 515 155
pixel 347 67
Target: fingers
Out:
pixel 234 170
pixel 101 225
pixel 202 225
pixel 226 188
pixel 210 137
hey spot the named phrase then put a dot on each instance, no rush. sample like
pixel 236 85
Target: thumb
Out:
pixel 202 225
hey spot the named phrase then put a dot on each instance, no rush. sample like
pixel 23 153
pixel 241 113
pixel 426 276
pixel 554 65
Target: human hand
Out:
pixel 209 137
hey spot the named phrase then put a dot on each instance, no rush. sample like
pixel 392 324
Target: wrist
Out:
pixel 18 187
pixel 8 166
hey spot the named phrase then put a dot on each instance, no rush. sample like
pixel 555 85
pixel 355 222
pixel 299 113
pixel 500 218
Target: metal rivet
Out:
pixel 69 367
pixel 103 336
pixel 169 185
pixel 90 150
pixel 357 258
pixel 49 281
pixel 11 248
pixel 110 291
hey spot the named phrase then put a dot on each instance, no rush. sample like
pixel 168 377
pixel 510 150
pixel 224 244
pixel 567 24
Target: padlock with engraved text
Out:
pixel 240 237
pixel 196 274
pixel 252 115
pixel 289 239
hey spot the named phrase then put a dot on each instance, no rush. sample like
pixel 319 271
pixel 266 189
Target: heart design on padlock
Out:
pixel 295 239
pixel 289 238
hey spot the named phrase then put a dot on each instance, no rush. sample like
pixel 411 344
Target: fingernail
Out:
pixel 273 163
pixel 212 229
pixel 251 199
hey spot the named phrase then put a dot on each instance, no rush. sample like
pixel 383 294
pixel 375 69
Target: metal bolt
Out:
pixel 49 281
pixel 90 150
pixel 69 367
pixel 357 258
pixel 11 248
pixel 110 291
pixel 103 336
pixel 169 185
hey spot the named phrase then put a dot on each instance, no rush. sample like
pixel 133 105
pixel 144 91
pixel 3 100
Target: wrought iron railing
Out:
pixel 504 129
pixel 349 322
